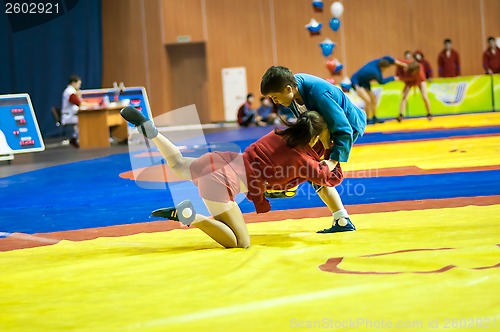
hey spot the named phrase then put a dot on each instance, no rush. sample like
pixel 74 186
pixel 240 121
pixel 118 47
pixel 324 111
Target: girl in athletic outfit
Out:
pixel 280 160
pixel 413 75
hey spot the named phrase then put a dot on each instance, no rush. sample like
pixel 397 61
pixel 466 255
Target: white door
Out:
pixel 234 90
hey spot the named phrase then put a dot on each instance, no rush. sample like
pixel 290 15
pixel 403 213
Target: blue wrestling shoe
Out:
pixel 183 212
pixel 336 228
pixel 135 117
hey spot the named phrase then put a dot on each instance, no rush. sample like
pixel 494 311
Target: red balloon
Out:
pixel 331 65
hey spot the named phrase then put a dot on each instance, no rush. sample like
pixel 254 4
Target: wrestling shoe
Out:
pixel 336 228
pixel 183 212
pixel 135 117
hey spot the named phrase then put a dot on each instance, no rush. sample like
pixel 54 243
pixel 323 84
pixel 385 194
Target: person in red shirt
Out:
pixel 448 61
pixel 414 75
pixel 280 160
pixel 419 56
pixel 491 57
pixel 400 70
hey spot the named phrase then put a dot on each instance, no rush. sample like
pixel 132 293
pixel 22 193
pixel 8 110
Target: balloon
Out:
pixel 331 80
pixel 314 27
pixel 337 8
pixel 327 47
pixel 318 5
pixel 331 65
pixel 346 87
pixel 338 68
pixel 334 24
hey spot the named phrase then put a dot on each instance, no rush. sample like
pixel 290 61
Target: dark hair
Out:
pixel 490 38
pixel 413 67
pixel 74 78
pixel 447 40
pixel 418 52
pixel 408 52
pixel 384 63
pixel 299 134
pixel 276 79
pixel 250 95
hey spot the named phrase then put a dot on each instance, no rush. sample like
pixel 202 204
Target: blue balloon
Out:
pixel 327 48
pixel 339 67
pixel 335 24
pixel 315 28
pixel 318 4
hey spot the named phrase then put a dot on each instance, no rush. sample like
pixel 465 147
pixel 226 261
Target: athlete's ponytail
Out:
pixel 309 124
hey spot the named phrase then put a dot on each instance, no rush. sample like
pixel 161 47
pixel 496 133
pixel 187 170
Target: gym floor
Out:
pixel 79 250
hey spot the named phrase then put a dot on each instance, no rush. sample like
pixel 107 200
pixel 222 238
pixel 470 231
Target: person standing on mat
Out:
pixel 361 79
pixel 419 56
pixel 413 75
pixel 345 121
pixel 408 57
pixel 220 176
pixel 491 57
pixel 448 61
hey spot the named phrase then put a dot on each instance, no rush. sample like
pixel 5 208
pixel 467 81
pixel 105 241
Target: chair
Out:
pixel 56 113
pixel 63 131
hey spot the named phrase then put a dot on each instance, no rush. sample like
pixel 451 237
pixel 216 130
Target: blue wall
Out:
pixel 39 60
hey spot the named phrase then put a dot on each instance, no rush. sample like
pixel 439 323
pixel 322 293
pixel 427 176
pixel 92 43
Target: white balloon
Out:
pixel 337 9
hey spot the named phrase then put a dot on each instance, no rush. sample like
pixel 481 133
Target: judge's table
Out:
pixel 94 123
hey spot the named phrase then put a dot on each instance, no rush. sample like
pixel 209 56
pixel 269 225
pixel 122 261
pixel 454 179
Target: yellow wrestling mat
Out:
pixel 455 121
pixel 413 270
pixel 435 154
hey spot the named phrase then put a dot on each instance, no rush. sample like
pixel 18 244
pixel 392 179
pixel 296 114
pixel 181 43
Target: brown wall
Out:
pixel 260 33
pixel 491 17
pixel 238 35
pixel 183 18
pixel 133 50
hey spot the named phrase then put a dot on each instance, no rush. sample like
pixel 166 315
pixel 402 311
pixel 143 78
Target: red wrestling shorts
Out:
pixel 217 175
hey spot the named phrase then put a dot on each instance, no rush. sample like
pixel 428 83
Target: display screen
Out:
pixel 19 132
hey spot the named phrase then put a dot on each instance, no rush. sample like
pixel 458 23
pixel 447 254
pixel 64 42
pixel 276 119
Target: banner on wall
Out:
pixel 496 91
pixel 455 95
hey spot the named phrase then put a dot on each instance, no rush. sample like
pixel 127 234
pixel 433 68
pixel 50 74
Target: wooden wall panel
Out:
pixel 133 50
pixel 123 51
pixel 181 18
pixel 159 86
pixel 374 29
pixel 238 35
pixel 189 76
pixel 491 19
pixel 296 48
pixel 259 33
pixel 459 20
